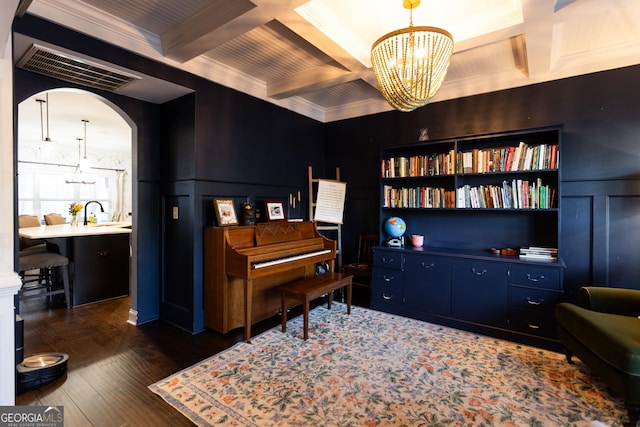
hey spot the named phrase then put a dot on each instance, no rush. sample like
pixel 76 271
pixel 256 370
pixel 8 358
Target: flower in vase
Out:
pixel 75 208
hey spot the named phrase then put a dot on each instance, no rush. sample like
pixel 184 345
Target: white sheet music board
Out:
pixel 330 201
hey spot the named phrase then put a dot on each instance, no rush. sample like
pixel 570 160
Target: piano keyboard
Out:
pixel 289 259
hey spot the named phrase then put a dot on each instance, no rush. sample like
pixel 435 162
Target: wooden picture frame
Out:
pixel 275 210
pixel 225 212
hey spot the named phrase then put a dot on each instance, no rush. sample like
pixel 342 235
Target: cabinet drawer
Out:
pixel 480 272
pixel 387 259
pixel 536 276
pixel 533 322
pixel 387 286
pixel 523 298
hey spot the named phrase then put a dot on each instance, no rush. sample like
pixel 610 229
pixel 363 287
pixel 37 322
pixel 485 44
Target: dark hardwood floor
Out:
pixel 111 362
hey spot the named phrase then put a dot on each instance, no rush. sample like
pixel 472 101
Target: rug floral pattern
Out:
pixel 376 369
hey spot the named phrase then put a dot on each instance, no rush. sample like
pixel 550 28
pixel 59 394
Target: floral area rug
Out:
pixel 376 369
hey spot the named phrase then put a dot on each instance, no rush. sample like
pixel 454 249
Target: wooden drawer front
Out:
pixel 387 259
pixel 387 286
pixel 533 299
pixel 534 322
pixel 536 276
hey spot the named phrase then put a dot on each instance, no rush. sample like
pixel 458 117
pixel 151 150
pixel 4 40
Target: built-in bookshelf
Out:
pixel 488 207
pixel 514 174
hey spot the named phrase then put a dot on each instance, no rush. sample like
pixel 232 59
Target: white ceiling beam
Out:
pixel 218 23
pixel 309 81
pixel 538 30
pixel 296 23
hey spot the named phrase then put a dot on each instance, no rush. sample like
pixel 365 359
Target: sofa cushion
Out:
pixel 612 337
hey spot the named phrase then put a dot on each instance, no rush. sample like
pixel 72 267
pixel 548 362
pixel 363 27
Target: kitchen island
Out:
pixel 99 257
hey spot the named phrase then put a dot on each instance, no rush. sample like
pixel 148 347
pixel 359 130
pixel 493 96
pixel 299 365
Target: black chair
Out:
pixel 361 270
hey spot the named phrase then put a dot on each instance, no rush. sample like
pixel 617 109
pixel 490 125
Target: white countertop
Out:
pixel 66 230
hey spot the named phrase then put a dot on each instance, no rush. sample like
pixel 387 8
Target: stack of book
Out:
pixel 539 253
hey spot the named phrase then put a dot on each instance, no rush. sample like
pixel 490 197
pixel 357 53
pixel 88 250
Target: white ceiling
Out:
pixel 312 56
pixel 107 131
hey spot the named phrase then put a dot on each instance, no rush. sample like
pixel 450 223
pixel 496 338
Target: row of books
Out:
pixel 418 197
pixel 421 165
pixel 517 194
pixel 510 159
pixel 505 159
pixel 539 253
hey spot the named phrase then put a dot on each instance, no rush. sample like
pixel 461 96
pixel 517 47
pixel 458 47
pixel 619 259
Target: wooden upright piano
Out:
pixel 245 265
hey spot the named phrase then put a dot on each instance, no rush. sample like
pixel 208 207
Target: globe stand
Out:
pixel 396 242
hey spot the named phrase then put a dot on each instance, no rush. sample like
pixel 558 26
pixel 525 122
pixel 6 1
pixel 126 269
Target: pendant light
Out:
pixel 410 64
pixel 47 143
pixel 85 163
pixel 79 176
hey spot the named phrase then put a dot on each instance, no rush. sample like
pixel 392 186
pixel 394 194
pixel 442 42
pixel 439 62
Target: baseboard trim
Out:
pixel 133 317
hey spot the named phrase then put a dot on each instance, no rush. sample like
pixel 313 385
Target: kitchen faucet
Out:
pixel 86 205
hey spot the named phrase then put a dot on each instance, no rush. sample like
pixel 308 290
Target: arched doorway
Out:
pixel 56 129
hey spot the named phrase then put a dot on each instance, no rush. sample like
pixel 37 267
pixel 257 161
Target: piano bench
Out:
pixel 308 289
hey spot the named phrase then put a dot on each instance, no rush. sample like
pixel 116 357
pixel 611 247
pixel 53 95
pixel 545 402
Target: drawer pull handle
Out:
pixel 387 278
pixel 103 253
pixel 387 260
pixel 535 279
pixel 427 266
pixel 478 272
pixel 532 302
pixel 533 326
pixel 387 297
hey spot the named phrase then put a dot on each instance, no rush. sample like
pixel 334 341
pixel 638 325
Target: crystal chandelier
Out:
pixel 410 64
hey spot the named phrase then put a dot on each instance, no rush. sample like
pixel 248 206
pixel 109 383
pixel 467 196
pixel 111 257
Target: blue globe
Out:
pixel 395 227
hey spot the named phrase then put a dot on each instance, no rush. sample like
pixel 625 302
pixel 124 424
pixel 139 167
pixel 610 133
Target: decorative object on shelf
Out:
pixel 275 210
pixel 74 210
pixel 225 212
pixel 248 214
pixel 424 134
pixel 410 64
pixel 417 240
pixel 395 228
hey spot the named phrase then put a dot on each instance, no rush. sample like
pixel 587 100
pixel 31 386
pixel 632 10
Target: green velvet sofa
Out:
pixel 604 332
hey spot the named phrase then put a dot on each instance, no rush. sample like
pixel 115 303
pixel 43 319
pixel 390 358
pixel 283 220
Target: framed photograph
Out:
pixel 225 212
pixel 275 210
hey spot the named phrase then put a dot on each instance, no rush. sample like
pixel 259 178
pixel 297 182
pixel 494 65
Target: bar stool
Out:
pixel 44 261
pixel 30 246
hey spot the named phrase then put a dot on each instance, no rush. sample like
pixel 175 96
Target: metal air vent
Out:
pixel 75 70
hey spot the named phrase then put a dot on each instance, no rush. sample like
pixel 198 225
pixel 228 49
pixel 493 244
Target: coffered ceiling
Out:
pixel 312 56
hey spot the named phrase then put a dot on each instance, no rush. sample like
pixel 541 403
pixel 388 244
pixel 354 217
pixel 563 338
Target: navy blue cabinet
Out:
pixel 468 289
